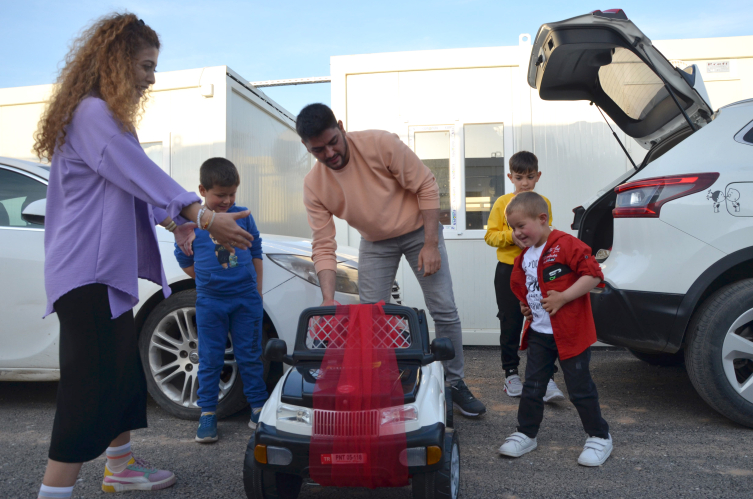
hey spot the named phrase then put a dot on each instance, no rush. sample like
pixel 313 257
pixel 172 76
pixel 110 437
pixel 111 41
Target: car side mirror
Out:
pixel 277 351
pixel 443 349
pixel 34 213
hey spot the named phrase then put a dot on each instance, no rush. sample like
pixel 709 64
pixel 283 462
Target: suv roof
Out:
pixel 604 58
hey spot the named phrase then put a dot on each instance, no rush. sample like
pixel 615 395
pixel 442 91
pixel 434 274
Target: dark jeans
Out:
pixel 542 352
pixel 510 319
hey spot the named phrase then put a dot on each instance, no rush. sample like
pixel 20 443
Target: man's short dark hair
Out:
pixel 524 162
pixel 218 172
pixel 313 120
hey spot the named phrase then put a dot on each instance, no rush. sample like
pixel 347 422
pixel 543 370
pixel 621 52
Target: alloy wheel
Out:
pixel 174 358
pixel 737 355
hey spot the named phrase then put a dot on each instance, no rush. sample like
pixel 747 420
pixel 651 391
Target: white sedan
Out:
pixel 168 338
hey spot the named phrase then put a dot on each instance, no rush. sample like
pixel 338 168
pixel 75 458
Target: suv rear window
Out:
pixel 631 84
pixel 748 137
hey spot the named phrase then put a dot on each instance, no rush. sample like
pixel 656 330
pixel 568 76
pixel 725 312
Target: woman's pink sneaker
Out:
pixel 138 475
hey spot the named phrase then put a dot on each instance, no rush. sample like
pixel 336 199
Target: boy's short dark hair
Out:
pixel 313 120
pixel 219 172
pixel 529 203
pixel 524 162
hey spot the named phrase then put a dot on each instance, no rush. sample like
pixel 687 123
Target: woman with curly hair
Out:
pixel 103 200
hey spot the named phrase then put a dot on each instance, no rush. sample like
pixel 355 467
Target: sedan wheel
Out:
pixel 719 351
pixel 169 347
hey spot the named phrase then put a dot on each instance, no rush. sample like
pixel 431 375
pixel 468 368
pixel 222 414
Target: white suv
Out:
pixel 674 236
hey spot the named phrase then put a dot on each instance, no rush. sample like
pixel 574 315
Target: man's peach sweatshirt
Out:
pixel 380 192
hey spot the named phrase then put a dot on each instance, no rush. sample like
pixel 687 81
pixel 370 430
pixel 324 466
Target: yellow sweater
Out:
pixel 499 234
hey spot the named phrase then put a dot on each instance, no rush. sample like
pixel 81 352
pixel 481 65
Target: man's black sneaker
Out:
pixel 463 398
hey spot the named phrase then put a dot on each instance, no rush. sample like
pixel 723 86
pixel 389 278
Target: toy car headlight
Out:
pixel 346 275
pixel 294 414
pixel 401 414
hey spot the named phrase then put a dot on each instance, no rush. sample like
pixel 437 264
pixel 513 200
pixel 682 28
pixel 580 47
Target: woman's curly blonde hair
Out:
pixel 100 63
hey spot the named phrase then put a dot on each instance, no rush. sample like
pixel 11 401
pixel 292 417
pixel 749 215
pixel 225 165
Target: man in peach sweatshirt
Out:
pixel 372 180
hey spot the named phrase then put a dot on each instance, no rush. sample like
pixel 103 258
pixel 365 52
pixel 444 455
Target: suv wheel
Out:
pixel 719 351
pixel 169 349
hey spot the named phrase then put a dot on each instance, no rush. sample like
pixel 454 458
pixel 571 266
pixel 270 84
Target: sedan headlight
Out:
pixel 346 276
pixel 294 414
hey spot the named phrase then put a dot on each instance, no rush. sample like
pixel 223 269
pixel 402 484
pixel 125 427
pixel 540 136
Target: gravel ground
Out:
pixel 667 443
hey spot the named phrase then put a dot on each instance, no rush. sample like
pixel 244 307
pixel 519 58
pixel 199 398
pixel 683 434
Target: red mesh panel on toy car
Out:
pixel 330 331
pixel 358 429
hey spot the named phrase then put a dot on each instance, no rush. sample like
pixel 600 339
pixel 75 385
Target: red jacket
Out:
pixel 563 261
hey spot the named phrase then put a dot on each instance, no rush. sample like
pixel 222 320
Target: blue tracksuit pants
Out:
pixel 242 317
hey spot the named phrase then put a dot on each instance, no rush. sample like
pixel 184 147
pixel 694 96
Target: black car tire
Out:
pixel 264 484
pixel 233 401
pixel 706 335
pixel 660 359
pixel 445 482
pixel 450 409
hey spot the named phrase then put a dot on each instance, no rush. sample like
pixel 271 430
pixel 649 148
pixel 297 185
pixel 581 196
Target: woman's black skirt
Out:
pixel 102 389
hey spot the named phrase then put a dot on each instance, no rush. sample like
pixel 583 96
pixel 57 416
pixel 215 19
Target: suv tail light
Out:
pixel 644 198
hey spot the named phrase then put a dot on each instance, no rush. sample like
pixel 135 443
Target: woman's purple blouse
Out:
pixel 103 200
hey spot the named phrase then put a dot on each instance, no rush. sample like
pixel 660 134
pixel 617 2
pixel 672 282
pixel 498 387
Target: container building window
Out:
pixel 154 151
pixel 484 171
pixel 433 148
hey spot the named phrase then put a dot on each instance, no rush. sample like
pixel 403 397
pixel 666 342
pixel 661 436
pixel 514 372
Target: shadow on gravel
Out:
pixel 667 443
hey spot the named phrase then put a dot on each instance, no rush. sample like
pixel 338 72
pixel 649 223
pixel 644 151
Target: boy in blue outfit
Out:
pixel 228 298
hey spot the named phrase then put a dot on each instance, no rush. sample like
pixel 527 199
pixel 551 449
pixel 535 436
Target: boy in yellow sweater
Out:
pixel 524 173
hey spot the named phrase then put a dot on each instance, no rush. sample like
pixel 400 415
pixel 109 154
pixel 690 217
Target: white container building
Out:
pixel 194 115
pixel 466 111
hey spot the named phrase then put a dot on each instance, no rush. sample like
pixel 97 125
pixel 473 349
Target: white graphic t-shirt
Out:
pixel 541 322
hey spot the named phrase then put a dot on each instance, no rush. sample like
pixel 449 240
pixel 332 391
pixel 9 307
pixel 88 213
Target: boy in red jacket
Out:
pixel 552 278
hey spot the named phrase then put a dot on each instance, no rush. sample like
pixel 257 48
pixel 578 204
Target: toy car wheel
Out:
pixel 449 408
pixel 264 484
pixel 169 349
pixel 660 359
pixel 719 351
pixel 443 483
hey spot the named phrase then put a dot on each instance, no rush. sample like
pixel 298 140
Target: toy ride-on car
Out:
pixel 390 427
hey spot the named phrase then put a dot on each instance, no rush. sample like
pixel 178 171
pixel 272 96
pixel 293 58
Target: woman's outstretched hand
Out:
pixel 228 233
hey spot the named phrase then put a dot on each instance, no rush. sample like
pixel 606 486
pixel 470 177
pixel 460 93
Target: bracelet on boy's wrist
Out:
pixel 171 226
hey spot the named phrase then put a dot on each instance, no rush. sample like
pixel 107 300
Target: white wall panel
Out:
pixel 373 102
pixel 272 163
pixel 17 126
pixel 472 264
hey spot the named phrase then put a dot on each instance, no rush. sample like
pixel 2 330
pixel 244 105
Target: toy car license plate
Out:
pixel 343 458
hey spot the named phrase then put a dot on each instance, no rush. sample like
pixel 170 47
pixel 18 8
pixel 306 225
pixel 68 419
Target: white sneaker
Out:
pixel 517 444
pixel 553 394
pixel 513 386
pixel 596 451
